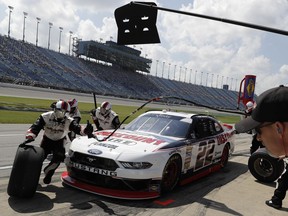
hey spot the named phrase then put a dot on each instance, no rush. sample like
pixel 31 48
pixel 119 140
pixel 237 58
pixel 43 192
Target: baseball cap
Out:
pixel 271 106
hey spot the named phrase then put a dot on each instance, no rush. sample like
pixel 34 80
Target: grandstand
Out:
pixel 124 73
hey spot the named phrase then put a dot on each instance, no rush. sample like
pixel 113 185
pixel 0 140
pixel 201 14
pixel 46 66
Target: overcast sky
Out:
pixel 221 53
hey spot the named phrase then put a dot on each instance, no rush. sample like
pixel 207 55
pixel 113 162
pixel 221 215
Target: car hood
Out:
pixel 122 141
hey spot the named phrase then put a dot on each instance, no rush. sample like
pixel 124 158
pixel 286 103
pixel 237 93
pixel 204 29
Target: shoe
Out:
pixel 274 205
pixel 48 177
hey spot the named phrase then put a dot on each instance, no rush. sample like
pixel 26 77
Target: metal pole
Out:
pixel 201 78
pixel 10 11
pixel 50 25
pixel 175 71
pixel 169 70
pixel 234 22
pixel 156 66
pixel 60 28
pixel 38 20
pixel 163 69
pixel 70 41
pixel 25 14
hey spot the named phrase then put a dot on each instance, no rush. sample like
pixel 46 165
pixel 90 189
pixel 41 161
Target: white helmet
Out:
pixel 61 108
pixel 73 104
pixel 105 108
pixel 249 105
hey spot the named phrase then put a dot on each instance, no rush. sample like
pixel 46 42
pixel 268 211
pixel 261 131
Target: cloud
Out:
pixel 188 42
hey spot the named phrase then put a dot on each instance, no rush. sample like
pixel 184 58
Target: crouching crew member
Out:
pixel 56 125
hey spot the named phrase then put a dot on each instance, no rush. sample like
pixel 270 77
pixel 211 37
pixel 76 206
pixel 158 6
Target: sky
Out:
pixel 192 49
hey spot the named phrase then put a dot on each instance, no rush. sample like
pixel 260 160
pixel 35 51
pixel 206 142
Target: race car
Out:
pixel 150 156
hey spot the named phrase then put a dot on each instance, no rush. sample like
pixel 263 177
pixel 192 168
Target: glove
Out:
pixel 93 112
pixel 88 130
pixel 29 138
pixel 53 105
pixel 23 144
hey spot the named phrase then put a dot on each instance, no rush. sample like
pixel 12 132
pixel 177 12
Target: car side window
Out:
pixel 205 127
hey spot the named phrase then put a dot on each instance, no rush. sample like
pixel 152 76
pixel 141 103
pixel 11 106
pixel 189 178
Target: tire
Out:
pixel 264 167
pixel 225 156
pixel 25 172
pixel 171 174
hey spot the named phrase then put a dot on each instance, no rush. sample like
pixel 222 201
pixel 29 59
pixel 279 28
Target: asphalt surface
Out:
pixel 231 191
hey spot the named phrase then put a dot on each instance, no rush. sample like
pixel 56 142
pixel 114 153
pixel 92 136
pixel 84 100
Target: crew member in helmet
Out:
pixel 75 114
pixel 249 108
pixel 56 125
pixel 104 117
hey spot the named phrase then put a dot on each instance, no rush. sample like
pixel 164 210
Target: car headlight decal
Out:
pixel 135 165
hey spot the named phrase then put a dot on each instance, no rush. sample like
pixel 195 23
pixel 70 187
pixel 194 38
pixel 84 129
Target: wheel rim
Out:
pixel 170 175
pixel 263 167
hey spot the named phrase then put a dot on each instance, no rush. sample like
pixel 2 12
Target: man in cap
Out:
pixel 269 119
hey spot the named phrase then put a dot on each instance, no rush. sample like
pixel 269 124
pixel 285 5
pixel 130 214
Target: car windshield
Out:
pixel 166 125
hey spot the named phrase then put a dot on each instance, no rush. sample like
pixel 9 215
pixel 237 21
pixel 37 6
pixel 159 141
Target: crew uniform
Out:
pixel 75 114
pixel 104 117
pixel 56 125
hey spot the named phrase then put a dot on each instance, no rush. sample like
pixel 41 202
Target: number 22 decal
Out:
pixel 205 154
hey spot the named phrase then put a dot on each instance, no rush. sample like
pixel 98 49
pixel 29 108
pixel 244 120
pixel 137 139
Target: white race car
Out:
pixel 151 155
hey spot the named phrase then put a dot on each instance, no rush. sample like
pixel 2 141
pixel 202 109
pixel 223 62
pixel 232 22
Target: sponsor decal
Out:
pixel 106 145
pixel 94 151
pixel 137 138
pixel 93 169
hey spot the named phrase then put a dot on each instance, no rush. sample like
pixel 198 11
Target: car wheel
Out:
pixel 25 172
pixel 264 167
pixel 224 156
pixel 171 174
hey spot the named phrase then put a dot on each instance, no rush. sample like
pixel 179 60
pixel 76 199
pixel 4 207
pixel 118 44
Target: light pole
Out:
pixel 156 66
pixel 169 70
pixel 61 29
pixel 163 68
pixel 195 77
pixel 190 76
pixel 70 40
pixel 50 26
pixel 185 74
pixel 212 80
pixel 10 11
pixel 175 71
pixel 201 77
pixel 25 15
pixel 38 20
pixel 180 73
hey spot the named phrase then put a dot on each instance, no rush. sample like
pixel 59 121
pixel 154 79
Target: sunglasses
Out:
pixel 258 129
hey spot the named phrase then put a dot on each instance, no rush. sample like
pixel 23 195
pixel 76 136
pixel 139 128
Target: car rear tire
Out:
pixel 171 174
pixel 264 167
pixel 25 172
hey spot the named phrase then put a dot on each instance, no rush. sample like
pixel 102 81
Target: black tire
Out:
pixel 171 174
pixel 265 168
pixel 225 156
pixel 26 171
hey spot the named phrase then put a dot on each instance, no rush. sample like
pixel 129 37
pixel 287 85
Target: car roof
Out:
pixel 172 113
